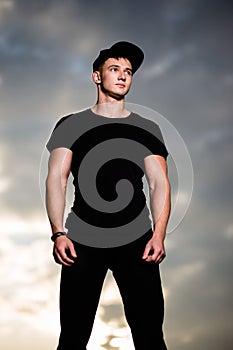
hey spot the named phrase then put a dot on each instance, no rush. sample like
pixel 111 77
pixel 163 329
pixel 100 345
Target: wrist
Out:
pixel 159 235
pixel 55 235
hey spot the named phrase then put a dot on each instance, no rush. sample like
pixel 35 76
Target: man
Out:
pixel 98 240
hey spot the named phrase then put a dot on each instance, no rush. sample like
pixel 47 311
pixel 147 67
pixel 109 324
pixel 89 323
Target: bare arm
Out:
pixel 56 183
pixel 160 203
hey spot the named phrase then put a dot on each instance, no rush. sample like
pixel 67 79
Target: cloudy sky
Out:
pixel 46 52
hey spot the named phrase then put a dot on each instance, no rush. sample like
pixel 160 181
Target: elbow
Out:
pixel 55 181
pixel 160 185
pixel 48 183
pixel 152 189
pixel 50 179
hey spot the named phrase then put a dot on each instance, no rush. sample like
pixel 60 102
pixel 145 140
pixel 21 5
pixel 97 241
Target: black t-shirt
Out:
pixel 106 151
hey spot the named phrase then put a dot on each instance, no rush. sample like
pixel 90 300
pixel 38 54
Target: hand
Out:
pixel 154 251
pixel 63 251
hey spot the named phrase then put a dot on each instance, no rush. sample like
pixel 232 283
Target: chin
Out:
pixel 117 96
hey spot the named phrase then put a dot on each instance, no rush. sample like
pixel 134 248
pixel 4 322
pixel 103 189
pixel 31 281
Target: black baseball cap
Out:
pixel 121 49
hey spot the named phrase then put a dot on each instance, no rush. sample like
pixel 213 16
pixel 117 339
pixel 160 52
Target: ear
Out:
pixel 96 77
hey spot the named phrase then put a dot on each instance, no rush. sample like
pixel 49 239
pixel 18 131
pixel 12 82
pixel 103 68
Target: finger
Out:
pixel 146 253
pixel 149 258
pixel 56 259
pixel 155 257
pixel 72 250
pixel 60 261
pixel 160 258
pixel 63 258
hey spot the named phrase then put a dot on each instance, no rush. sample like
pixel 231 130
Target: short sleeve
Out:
pixel 155 141
pixel 61 134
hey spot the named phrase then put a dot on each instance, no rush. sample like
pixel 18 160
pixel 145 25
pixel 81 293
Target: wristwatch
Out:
pixel 57 234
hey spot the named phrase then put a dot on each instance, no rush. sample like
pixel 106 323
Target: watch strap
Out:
pixel 57 234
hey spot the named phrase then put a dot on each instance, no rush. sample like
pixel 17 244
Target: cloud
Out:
pixel 46 53
pixel 229 231
pixel 165 64
pixel 6 5
pixel 29 293
pixel 161 67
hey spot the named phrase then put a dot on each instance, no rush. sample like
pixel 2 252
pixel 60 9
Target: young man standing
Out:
pixel 101 237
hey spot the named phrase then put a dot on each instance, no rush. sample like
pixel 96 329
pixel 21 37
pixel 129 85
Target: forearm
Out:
pixel 160 204
pixel 55 202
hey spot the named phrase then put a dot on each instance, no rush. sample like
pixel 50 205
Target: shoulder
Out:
pixel 70 118
pixel 143 120
pixel 65 132
pixel 148 125
pixel 152 135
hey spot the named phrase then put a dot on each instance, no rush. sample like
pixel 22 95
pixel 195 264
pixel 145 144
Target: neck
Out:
pixel 111 109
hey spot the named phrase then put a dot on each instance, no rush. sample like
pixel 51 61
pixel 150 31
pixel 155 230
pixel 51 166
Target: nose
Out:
pixel 122 76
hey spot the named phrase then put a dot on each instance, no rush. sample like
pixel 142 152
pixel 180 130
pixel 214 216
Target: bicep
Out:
pixel 60 162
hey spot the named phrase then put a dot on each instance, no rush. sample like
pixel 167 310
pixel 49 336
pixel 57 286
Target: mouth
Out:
pixel 120 85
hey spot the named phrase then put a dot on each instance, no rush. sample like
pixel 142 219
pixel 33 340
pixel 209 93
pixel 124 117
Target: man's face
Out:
pixel 116 77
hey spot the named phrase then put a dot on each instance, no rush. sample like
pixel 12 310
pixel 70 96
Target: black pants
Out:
pixel 140 288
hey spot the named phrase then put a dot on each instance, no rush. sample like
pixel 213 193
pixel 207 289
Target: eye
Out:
pixel 114 69
pixel 128 72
